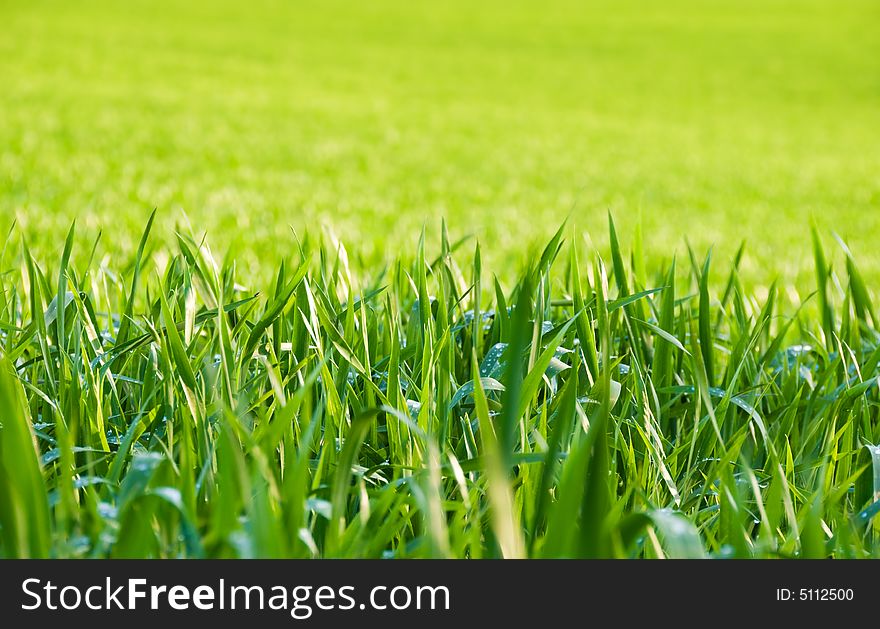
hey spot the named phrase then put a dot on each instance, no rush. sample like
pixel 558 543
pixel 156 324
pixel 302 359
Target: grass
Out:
pixel 726 120
pixel 374 382
pixel 157 408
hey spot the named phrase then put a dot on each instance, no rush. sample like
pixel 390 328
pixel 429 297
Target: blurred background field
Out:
pixel 718 121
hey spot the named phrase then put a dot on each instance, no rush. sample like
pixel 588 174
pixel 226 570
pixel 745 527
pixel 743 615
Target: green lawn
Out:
pixel 721 121
pixel 286 397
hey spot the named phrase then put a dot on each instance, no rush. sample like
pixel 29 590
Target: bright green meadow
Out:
pixel 719 120
pixel 466 280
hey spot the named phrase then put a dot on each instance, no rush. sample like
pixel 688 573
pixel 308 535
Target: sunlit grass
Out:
pixel 725 120
pixel 593 408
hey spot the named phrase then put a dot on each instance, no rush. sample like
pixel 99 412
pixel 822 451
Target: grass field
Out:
pixel 724 121
pixel 427 414
pixel 203 381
